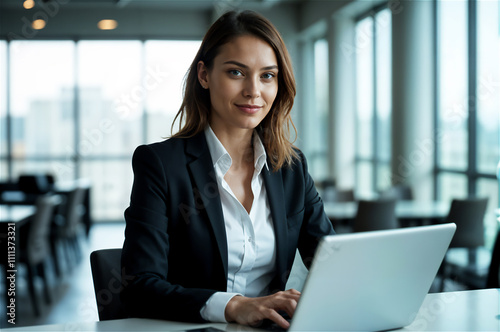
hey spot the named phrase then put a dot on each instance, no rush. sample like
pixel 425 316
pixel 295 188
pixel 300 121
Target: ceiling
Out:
pixel 174 19
pixel 163 4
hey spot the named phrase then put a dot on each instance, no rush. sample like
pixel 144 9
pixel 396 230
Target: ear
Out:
pixel 203 74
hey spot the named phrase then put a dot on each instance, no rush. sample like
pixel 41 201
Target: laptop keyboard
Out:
pixel 269 325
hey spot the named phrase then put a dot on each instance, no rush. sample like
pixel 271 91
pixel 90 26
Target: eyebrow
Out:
pixel 231 62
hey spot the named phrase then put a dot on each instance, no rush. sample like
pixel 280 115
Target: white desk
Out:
pixel 453 311
pixel 404 210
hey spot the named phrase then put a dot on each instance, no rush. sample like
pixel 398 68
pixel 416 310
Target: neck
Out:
pixel 238 143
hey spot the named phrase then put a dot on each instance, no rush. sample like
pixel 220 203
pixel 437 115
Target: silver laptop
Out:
pixel 371 281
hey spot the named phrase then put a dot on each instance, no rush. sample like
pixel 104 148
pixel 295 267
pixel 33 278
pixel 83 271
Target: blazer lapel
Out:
pixel 203 174
pixel 276 197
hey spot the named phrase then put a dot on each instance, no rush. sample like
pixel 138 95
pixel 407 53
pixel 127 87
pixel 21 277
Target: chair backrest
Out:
pixel 36 183
pixel 468 214
pixel 375 215
pixel 401 192
pixel 73 211
pixel 107 276
pixel 493 279
pixel 38 239
pixel 342 195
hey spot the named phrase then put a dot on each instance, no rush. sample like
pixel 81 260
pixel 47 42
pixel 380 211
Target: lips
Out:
pixel 249 109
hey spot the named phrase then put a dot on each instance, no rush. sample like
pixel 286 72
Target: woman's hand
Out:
pixel 251 311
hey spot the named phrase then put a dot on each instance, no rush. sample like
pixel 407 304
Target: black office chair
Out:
pixel 343 195
pixel 401 192
pixel 36 183
pixel 468 215
pixel 35 246
pixel 375 215
pixel 66 230
pixel 493 279
pixel 107 276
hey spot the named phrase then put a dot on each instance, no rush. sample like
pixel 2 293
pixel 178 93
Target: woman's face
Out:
pixel 243 83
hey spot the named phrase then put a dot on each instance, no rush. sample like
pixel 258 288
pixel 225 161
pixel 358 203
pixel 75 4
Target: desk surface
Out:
pixel 404 209
pixel 453 311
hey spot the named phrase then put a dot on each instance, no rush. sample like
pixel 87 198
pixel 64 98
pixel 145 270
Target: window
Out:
pixel 383 105
pixel 318 160
pixel 3 109
pixel 313 131
pixel 468 101
pixel 77 109
pixel 374 107
pixel 365 107
pixel 166 66
pixel 487 82
pixel 488 90
pixel 110 96
pixel 41 94
pixel 453 101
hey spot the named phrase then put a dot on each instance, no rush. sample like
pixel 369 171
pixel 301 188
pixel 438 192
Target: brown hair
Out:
pixel 274 129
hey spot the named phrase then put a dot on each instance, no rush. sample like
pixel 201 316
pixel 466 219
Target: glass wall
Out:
pixel 77 109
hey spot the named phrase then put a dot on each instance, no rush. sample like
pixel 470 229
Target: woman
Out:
pixel 218 210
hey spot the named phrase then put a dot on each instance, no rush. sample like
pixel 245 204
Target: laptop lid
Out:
pixel 371 280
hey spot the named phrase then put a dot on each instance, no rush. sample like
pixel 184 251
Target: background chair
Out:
pixel 342 195
pixel 336 195
pixel 33 185
pixel 401 192
pixel 66 230
pixel 468 215
pixel 375 215
pixel 107 276
pixel 325 188
pixel 35 246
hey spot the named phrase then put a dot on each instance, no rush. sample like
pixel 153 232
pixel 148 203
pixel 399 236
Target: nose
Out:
pixel 252 87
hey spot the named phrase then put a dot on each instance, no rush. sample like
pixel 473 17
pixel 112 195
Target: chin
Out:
pixel 250 125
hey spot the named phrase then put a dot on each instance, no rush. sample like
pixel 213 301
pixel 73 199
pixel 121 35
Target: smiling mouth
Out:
pixel 249 109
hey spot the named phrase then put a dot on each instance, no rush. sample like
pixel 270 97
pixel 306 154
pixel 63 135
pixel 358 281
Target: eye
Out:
pixel 268 76
pixel 235 72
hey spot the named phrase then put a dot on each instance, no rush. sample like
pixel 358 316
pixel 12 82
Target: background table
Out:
pixel 409 210
pixel 13 196
pixel 477 310
pixel 15 213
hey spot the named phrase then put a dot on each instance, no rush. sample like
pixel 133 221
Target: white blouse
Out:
pixel 250 236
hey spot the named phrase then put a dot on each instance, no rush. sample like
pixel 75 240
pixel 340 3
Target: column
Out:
pixel 413 92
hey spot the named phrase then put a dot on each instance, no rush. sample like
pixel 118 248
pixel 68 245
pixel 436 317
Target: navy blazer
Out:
pixel 175 251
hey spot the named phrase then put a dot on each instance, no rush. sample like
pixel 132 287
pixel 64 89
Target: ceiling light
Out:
pixel 107 24
pixel 38 24
pixel 28 4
